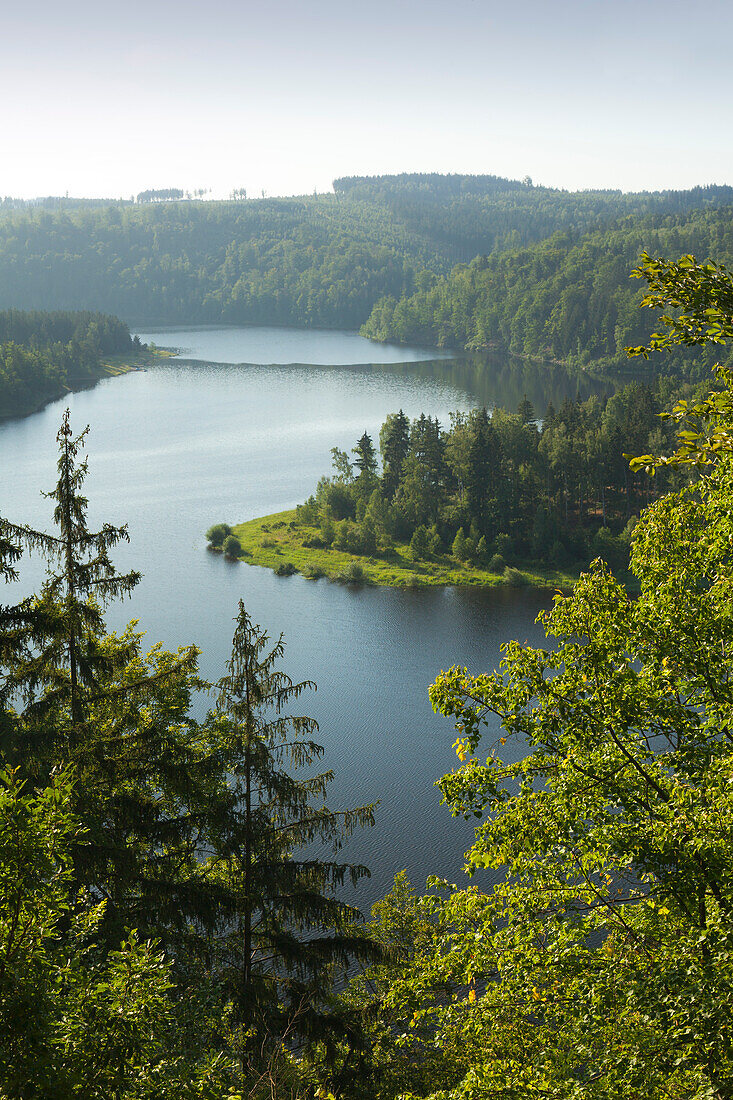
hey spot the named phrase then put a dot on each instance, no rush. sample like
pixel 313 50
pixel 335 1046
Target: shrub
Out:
pixel 420 543
pixel 217 534
pixel 497 564
pixel 515 577
pixel 367 537
pixel 504 543
pixel 232 547
pixel 340 501
pixel 308 512
pixel 353 574
pixel 341 535
pixel 314 572
pixel 267 542
pixel 285 569
pixel 459 545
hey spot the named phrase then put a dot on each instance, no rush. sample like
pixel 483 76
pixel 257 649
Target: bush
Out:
pixel 340 501
pixel 267 542
pixel 285 569
pixel 420 543
pixel 459 545
pixel 308 513
pixel 353 574
pixel 217 534
pixel 497 564
pixel 232 547
pixel 504 544
pixel 314 572
pixel 515 577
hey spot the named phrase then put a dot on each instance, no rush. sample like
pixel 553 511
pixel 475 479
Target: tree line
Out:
pixel 335 260
pixel 567 299
pixel 499 488
pixel 43 353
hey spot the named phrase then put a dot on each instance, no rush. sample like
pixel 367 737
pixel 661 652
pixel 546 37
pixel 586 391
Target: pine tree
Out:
pixel 459 548
pixel 394 443
pixel 150 790
pixel 290 929
pixel 66 621
pixel 365 460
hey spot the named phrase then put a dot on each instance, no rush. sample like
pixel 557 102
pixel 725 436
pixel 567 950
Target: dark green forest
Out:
pixel 500 489
pixel 565 300
pixel 547 276
pixel 44 353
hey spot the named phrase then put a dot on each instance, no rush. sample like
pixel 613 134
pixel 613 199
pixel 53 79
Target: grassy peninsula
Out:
pixel 283 543
pixel 494 498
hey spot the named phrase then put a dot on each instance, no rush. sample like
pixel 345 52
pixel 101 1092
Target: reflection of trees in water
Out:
pixel 504 380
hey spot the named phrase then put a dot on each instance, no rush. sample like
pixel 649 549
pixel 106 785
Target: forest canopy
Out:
pixel 44 353
pixel 547 273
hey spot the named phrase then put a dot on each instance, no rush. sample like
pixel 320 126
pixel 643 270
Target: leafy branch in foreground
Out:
pixel 593 959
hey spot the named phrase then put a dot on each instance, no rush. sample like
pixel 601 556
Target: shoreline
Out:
pixel 277 542
pixel 110 367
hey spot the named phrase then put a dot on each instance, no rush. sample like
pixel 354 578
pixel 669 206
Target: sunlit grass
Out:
pixel 276 540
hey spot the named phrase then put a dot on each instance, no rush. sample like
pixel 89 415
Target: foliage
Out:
pixel 189 833
pixel 565 298
pixel 548 267
pixel 42 353
pixel 76 1020
pixel 215 535
pixel 554 494
pixel 593 957
pixel 302 544
pixel 291 931
pixel 232 547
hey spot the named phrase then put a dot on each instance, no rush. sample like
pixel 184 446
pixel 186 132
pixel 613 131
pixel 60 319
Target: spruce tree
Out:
pixel 150 790
pixel 65 623
pixel 394 443
pixel 365 460
pixel 290 930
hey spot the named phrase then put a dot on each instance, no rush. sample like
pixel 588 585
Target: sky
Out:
pixel 284 96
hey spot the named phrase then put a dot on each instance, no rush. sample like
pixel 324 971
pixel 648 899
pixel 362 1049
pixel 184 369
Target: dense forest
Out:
pixel 547 272
pixel 501 489
pixel 44 353
pixel 163 936
pixel 565 299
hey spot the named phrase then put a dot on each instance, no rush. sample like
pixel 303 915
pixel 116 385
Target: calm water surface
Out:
pixel 266 345
pixel 181 446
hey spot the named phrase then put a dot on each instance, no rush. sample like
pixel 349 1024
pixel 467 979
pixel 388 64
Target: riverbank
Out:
pixel 110 366
pixel 279 541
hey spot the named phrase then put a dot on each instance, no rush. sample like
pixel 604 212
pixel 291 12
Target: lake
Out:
pixel 186 444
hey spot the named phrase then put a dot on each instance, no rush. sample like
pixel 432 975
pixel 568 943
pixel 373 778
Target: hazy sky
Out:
pixel 285 95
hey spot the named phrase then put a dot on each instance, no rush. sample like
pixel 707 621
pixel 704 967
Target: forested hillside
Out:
pixel 327 260
pixel 565 299
pixel 41 354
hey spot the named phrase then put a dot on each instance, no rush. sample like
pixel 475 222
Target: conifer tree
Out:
pixel 290 929
pixel 394 443
pixel 65 623
pixel 150 790
pixel 365 460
